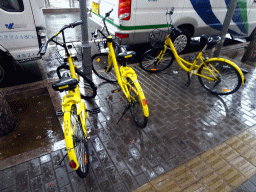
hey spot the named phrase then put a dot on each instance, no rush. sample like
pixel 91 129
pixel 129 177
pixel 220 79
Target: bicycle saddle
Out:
pixel 126 55
pixel 65 83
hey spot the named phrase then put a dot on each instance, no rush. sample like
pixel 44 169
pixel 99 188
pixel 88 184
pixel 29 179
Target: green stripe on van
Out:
pixel 243 9
pixel 134 27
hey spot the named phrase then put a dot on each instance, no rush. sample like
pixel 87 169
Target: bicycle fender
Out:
pixel 141 93
pixel 125 71
pixel 68 136
pixel 83 115
pixel 229 62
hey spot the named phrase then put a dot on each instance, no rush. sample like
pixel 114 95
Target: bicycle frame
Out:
pixel 124 72
pixel 193 69
pixel 73 97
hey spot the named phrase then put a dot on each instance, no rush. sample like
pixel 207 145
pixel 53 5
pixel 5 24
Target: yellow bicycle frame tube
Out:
pixel 112 59
pixel 72 98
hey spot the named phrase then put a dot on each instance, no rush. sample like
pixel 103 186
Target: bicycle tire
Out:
pixel 99 66
pixel 136 105
pixel 85 84
pixel 228 74
pixel 148 61
pixel 80 143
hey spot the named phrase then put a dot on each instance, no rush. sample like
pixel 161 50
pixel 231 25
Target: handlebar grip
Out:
pixel 108 13
pixel 76 23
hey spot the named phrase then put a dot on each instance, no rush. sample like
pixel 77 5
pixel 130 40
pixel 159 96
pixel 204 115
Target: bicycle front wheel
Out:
pixel 149 61
pixel 100 65
pixel 136 109
pixel 227 78
pixel 80 143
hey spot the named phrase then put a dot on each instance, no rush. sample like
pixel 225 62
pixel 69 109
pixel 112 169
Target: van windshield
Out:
pixel 12 5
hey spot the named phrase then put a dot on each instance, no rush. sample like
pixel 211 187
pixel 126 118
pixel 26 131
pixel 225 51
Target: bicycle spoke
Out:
pixel 156 63
pixel 149 65
pixel 227 79
pixel 79 142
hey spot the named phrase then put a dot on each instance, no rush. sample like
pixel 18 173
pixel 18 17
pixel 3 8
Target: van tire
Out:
pixel 6 70
pixel 185 40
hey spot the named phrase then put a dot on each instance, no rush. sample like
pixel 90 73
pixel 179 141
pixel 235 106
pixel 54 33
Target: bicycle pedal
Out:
pixel 116 90
pixel 94 111
pixel 59 113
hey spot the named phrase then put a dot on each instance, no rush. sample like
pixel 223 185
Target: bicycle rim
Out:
pixel 136 105
pixel 149 61
pixel 228 79
pixel 99 66
pixel 80 143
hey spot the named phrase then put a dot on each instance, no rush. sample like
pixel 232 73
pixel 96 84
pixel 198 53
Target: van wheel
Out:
pixel 182 41
pixel 5 70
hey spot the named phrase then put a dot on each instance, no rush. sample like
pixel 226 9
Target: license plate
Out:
pixel 95 8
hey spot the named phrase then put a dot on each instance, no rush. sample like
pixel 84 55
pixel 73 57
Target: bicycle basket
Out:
pixel 101 43
pixel 157 38
pixel 60 53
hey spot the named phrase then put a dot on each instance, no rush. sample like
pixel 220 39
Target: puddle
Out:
pixel 37 127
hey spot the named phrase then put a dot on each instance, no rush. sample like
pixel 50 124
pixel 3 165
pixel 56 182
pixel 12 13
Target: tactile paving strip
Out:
pixel 221 169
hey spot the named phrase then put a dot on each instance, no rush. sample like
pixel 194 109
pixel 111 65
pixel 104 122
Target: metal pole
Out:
pixel 86 48
pixel 230 12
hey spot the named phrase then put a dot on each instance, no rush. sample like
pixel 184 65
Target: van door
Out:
pixel 17 29
pixel 151 14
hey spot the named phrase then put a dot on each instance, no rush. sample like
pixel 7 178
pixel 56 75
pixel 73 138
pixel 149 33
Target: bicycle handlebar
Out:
pixel 108 13
pixel 43 48
pixel 170 12
pixel 95 34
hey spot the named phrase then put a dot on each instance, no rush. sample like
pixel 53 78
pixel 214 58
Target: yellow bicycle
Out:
pixel 125 76
pixel 218 75
pixel 73 81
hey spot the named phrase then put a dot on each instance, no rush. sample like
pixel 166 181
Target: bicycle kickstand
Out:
pixel 94 110
pixel 62 159
pixel 189 81
pixel 125 110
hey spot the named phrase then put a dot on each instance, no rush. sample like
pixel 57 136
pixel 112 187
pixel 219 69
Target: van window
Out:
pixel 12 5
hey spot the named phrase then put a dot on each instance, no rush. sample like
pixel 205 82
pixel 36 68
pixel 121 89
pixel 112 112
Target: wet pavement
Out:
pixel 184 122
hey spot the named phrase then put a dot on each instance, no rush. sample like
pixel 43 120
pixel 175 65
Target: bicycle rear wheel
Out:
pixel 149 60
pixel 136 104
pixel 228 78
pixel 99 66
pixel 80 143
pixel 87 88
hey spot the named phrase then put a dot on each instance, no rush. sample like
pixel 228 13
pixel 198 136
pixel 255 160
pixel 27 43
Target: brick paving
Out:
pixel 183 123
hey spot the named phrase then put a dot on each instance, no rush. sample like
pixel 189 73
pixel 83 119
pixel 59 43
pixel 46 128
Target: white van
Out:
pixel 22 32
pixel 132 20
